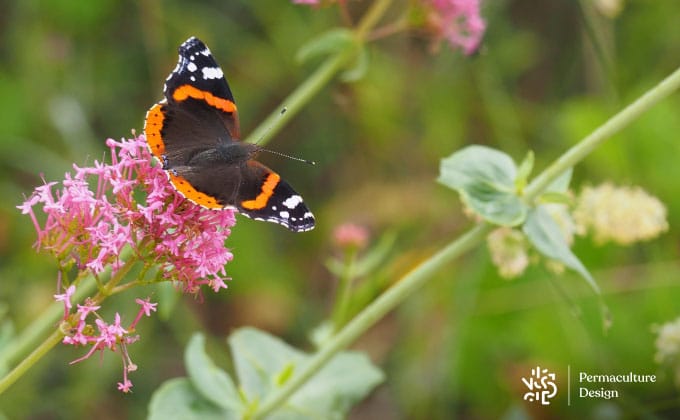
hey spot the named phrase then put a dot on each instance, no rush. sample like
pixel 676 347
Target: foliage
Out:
pixel 75 73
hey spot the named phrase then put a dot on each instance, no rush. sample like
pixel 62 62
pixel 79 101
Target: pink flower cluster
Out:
pixel 107 336
pixel 118 214
pixel 458 22
pixel 97 213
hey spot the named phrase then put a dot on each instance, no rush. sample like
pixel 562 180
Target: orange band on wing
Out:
pixel 187 91
pixel 267 190
pixel 152 130
pixel 189 192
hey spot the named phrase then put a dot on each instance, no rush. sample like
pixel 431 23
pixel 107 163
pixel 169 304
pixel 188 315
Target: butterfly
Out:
pixel 194 133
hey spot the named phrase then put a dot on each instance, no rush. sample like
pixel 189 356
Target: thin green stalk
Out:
pixel 296 100
pixel 371 18
pixel 31 360
pixel 32 334
pixel 612 126
pixel 314 83
pixel 344 290
pixel 22 344
pixel 392 297
pixel 107 290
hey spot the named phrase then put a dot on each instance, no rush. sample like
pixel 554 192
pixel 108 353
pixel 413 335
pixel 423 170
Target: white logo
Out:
pixel 541 386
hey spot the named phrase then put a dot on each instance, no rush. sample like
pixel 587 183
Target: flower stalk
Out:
pixel 292 104
pixel 30 360
pixel 344 295
pixel 612 126
pixel 21 345
pixel 387 301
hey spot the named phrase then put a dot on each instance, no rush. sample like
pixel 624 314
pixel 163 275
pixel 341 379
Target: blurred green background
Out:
pixel 73 73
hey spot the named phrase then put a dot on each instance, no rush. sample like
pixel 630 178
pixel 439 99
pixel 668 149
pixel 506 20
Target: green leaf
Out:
pixel 343 382
pixel 261 360
pixel 555 198
pixel 524 171
pixel 321 333
pixel 209 380
pixel 485 179
pixel 561 184
pixel 285 375
pixel 557 191
pixel 545 235
pixel 335 40
pixel 358 68
pixel 178 399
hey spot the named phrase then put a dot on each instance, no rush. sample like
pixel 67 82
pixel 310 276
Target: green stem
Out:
pixel 30 360
pixel 387 301
pixel 371 18
pixel 316 81
pixel 615 124
pixel 296 100
pixel 344 290
pixel 108 289
pixel 31 335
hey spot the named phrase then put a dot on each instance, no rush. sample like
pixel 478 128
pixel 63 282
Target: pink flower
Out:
pixel 456 21
pixel 66 298
pixel 125 386
pixel 146 308
pixel 107 336
pixel 350 235
pixel 99 214
pixel 93 216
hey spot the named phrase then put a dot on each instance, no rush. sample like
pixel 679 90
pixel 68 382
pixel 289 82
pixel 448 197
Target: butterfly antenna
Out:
pixel 274 152
pixel 310 162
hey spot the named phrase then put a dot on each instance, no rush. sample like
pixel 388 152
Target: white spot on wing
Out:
pixel 192 67
pixel 212 73
pixel 284 214
pixel 292 201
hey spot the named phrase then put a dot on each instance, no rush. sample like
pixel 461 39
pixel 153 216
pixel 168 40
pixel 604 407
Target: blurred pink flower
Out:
pixel 456 21
pixel 350 235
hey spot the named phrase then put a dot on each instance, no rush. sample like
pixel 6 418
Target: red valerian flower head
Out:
pixel 95 214
pixel 457 22
pixel 102 218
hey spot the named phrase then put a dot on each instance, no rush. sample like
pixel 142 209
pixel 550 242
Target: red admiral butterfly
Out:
pixel 194 133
